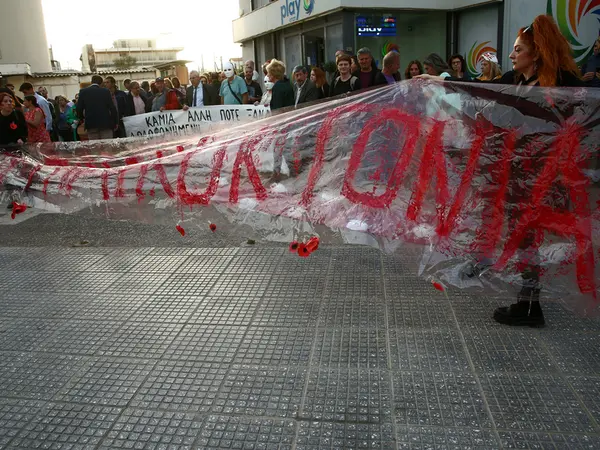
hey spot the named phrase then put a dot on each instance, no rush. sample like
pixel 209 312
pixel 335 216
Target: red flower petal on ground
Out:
pixel 212 227
pixel 312 244
pixel 293 246
pixel 303 252
pixel 13 126
pixel 438 286
pixel 180 148
pixel 180 229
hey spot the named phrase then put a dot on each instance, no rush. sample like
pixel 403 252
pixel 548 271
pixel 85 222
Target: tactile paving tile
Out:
pixel 35 281
pixel 225 310
pixel 474 312
pixel 561 319
pixel 153 430
pixel 534 403
pixel 295 286
pixel 588 388
pixel 204 264
pixel 17 303
pixel 14 415
pixel 253 264
pixel 159 263
pixel 432 313
pixel 439 399
pixel 292 312
pixel 365 264
pixel 425 438
pixel 575 353
pixel 276 346
pixel 12 261
pixel 172 251
pixel 351 348
pixel 261 251
pixel 59 263
pixel 348 395
pixel 181 385
pixel 137 282
pixel 345 285
pixel 234 285
pixel 316 265
pixel 56 305
pixel 206 343
pixel 397 288
pixel 26 334
pixel 187 284
pixel 508 350
pixel 353 312
pixel 232 432
pixel 36 376
pixel 118 261
pixel 517 439
pixel 401 265
pixel 332 435
pixel 140 340
pixel 216 251
pixel 92 282
pixel 107 382
pixel 165 309
pixel 82 337
pixel 72 426
pixel 261 391
pixel 427 350
pixel 110 307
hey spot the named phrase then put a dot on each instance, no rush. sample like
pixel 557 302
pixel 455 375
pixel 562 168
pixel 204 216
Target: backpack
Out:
pixel 352 82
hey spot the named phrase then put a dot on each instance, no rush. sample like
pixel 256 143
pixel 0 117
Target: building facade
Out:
pixel 309 32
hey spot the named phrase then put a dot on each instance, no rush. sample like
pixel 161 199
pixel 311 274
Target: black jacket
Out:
pixel 283 95
pixel 309 92
pixel 210 96
pixel 96 107
pixel 130 106
pixel 381 80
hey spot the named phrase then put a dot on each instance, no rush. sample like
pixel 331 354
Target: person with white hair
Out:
pixel 199 94
pixel 490 70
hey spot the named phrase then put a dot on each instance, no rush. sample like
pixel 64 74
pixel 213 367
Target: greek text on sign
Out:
pixel 194 119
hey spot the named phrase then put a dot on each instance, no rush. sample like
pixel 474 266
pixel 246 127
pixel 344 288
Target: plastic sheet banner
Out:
pixel 489 181
pixel 196 120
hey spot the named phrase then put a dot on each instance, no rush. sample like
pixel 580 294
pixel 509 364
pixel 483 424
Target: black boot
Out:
pixel 526 312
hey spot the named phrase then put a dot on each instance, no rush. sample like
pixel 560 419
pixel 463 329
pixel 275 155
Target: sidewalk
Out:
pixel 255 348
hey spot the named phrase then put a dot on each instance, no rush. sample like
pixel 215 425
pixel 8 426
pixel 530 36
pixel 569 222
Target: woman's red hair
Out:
pixel 551 48
pixel 320 76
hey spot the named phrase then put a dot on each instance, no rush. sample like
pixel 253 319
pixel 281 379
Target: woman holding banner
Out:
pixel 541 57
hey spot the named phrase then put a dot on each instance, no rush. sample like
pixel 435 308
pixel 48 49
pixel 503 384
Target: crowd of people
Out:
pixel 97 112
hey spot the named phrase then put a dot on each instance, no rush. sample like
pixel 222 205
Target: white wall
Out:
pixel 517 14
pixel 477 26
pixel 23 34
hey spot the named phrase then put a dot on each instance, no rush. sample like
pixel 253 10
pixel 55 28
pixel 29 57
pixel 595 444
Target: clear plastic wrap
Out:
pixel 486 179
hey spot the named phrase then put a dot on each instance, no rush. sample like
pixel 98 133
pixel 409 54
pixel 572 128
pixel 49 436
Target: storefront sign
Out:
pixel 291 9
pixel 376 26
pixel 196 119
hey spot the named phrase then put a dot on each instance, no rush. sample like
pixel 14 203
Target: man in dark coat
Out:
pixel 198 95
pixel 136 101
pixel 304 90
pixel 96 107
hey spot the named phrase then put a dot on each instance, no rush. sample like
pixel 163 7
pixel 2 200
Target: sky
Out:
pixel 202 31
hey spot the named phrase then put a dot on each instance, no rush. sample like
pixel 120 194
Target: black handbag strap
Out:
pixel 234 94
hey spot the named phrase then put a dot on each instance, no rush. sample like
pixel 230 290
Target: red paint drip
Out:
pixel 180 229
pixel 180 148
pixel 244 155
pixel 399 118
pixel 152 192
pixel 190 198
pixel 32 173
pixel 131 160
pixel 105 192
pixel 47 180
pixel 539 216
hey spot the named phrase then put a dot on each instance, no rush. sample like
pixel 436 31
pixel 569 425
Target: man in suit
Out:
pixel 96 107
pixel 198 95
pixel 304 90
pixel 136 101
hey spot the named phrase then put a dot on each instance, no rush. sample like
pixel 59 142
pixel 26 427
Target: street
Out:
pixel 116 334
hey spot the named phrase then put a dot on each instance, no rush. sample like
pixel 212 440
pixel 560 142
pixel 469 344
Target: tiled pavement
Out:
pixel 254 348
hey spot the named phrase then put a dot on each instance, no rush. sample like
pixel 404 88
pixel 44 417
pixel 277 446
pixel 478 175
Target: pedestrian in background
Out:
pixel 283 93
